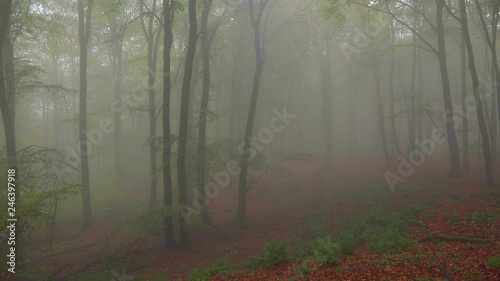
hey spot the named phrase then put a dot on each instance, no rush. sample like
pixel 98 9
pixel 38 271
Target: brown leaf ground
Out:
pixel 281 208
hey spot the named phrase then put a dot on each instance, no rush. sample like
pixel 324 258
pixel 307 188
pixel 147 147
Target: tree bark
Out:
pixel 205 96
pixel 84 18
pixel 325 68
pixel 465 121
pixel 352 114
pixel 255 19
pixel 168 224
pixel 183 124
pixel 492 42
pixel 117 65
pixel 475 85
pixel 394 134
pixel 380 114
pixel 152 41
pixel 412 114
pixel 7 115
pixel 441 54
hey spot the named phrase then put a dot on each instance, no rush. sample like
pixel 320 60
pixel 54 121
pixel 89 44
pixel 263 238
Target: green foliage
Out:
pixel 381 231
pixel 486 218
pixel 43 177
pixel 276 251
pixel 302 271
pixel 390 235
pixel 326 250
pixel 495 262
pixel 333 11
pixel 218 267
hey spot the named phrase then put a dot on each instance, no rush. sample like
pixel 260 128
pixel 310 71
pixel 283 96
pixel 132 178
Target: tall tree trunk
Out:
pixel 494 130
pixel 183 124
pixel 394 134
pixel 7 115
pixel 205 95
pixel 238 72
pixel 84 18
pixel 117 65
pixel 465 121
pixel 492 42
pixel 10 73
pixel 380 114
pixel 352 113
pixel 255 18
pixel 412 114
pixel 327 98
pixel 168 223
pixel 152 40
pixel 451 134
pixel 420 93
pixel 475 85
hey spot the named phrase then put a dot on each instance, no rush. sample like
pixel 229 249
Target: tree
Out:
pixel 255 19
pixel 475 86
pixel 441 54
pixel 152 37
pixel 7 115
pixel 205 95
pixel 491 41
pixel 84 20
pixel 325 74
pixel 118 25
pixel 183 123
pixel 465 121
pixel 394 135
pixel 380 111
pixel 168 224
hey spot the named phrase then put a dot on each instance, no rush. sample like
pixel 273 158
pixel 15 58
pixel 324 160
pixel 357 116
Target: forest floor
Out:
pixel 306 224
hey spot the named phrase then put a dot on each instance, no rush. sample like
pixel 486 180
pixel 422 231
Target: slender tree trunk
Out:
pixel 475 85
pixel 412 114
pixel 152 41
pixel 255 18
pixel 7 117
pixel 55 75
pixel 84 36
pixel 205 95
pixel 465 121
pixel 380 114
pixel 117 63
pixel 168 224
pixel 10 73
pixel 451 134
pixel 183 124
pixel 494 130
pixel 352 113
pixel 394 134
pixel 420 94
pixel 326 89
pixel 238 72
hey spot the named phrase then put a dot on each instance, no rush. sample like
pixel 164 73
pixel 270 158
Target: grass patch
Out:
pixel 218 267
pixel 495 262
pixel 276 251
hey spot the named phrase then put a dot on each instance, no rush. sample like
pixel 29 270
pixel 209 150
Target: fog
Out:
pixel 213 139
